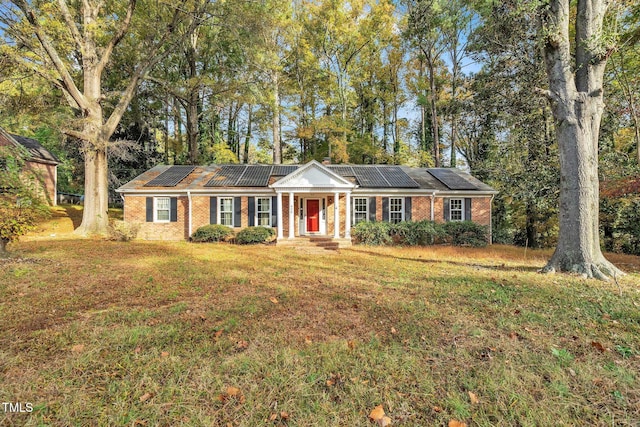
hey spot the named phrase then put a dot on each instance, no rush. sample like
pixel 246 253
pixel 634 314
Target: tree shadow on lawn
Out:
pixel 74 214
pixel 501 267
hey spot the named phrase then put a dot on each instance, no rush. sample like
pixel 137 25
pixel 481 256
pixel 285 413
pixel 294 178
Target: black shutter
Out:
pixel 252 211
pixel 445 201
pixel 385 209
pixel 467 209
pixel 149 209
pixel 407 208
pixel 237 212
pixel 173 216
pixel 274 211
pixel 372 208
pixel 213 210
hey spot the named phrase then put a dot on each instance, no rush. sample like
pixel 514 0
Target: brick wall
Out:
pixel 285 216
pixel 135 211
pixel 480 210
pixel 420 208
pixel 201 207
pixel 45 176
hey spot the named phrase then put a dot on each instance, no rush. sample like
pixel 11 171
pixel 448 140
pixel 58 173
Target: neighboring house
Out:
pixel 40 161
pixel 170 202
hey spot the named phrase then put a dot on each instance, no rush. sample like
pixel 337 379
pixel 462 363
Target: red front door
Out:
pixel 313 216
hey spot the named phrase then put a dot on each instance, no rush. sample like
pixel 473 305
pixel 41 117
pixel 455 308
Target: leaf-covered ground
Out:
pixel 156 333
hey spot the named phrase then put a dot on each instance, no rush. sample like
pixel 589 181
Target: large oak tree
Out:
pixel 72 44
pixel 576 73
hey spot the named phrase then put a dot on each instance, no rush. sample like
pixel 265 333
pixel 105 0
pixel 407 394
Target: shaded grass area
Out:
pixel 153 333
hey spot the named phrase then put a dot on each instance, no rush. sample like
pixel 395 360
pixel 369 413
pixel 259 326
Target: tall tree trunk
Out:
pixel 96 197
pixel 192 126
pixel 434 114
pixel 247 139
pixel 277 148
pixel 577 106
pixel 96 186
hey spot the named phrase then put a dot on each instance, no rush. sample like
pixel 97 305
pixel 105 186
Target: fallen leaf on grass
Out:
pixel 242 345
pixel 456 423
pixel 377 414
pixel 335 380
pixel 384 422
pixel 284 416
pixel 598 346
pixel 274 300
pixel 232 393
pixel 78 348
pixel 393 330
pixel 164 354
pixel 145 397
pixel 473 398
pixel 437 409
pixel 218 333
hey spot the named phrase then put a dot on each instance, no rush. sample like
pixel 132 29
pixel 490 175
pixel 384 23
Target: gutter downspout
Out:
pixel 190 210
pixel 433 200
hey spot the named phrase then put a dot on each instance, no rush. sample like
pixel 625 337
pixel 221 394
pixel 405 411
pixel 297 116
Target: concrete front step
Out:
pixel 326 243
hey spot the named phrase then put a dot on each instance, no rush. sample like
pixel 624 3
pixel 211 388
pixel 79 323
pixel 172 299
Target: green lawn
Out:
pixel 156 333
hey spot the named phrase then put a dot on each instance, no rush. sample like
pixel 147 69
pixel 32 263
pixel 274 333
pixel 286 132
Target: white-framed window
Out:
pixel 226 211
pixel 162 209
pixel 263 211
pixel 360 209
pixel 396 209
pixel 456 209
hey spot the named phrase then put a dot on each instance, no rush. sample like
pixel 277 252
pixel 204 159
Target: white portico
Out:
pixel 318 203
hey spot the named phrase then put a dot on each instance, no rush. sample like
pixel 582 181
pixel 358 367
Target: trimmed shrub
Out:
pixel 372 233
pixel 465 233
pixel 252 235
pixel 121 231
pixel 420 233
pixel 212 233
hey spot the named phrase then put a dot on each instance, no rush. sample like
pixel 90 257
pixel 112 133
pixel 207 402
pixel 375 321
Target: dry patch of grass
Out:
pixel 155 333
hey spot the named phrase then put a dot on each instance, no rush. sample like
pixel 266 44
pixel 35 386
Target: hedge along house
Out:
pixel 40 161
pixel 171 202
pixel 314 199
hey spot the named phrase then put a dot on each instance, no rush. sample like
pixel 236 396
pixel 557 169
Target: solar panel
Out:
pixel 171 177
pixel 397 177
pixel 282 170
pixel 452 179
pixel 226 176
pixel 369 177
pixel 342 170
pixel 255 176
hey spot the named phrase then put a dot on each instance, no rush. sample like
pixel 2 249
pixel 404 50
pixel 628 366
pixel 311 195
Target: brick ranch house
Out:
pixel 40 161
pixel 314 199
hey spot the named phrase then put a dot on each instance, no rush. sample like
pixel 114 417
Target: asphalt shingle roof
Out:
pixel 260 176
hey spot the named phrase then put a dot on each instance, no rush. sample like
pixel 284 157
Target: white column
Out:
pixel 336 215
pixel 347 207
pixel 280 212
pixel 291 216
